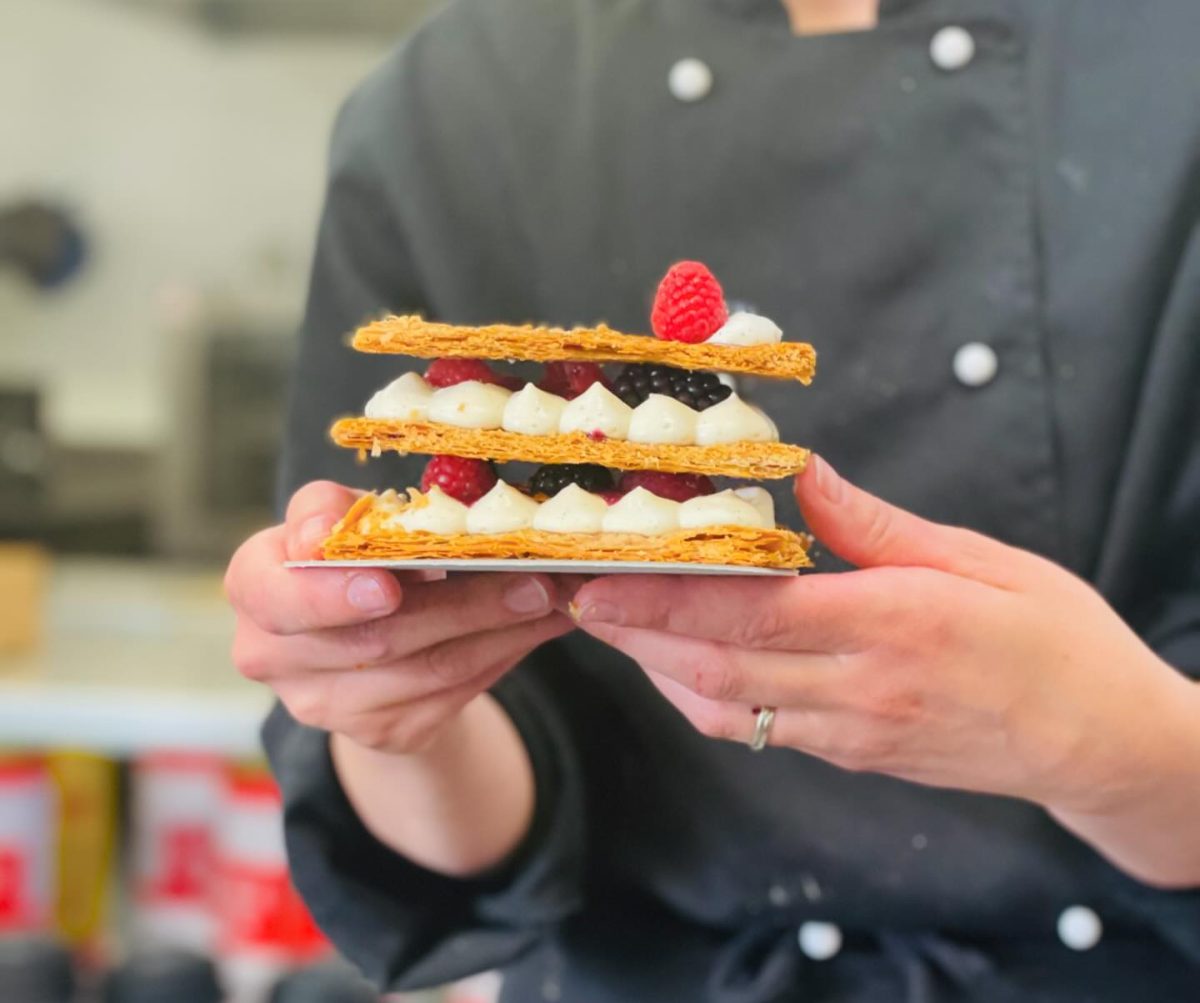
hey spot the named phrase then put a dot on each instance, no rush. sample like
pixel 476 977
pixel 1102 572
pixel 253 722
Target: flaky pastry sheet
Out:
pixel 364 534
pixel 412 335
pixel 755 460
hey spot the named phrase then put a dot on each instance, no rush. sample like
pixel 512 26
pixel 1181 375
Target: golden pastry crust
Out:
pixel 364 534
pixel 755 460
pixel 412 335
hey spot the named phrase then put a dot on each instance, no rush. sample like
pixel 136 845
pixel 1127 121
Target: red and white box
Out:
pixel 28 844
pixel 263 926
pixel 176 800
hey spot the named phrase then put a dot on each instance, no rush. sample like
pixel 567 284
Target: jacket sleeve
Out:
pixel 1173 630
pixel 1163 520
pixel 405 926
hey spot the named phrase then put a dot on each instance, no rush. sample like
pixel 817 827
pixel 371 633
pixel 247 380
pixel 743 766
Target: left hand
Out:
pixel 949 659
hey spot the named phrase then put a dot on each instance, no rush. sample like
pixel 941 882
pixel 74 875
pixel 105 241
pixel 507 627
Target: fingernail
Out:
pixel 527 595
pixel 600 611
pixel 365 593
pixel 314 532
pixel 828 481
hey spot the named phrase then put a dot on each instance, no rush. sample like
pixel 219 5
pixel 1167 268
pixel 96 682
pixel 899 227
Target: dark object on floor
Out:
pixel 324 984
pixel 35 970
pixel 163 976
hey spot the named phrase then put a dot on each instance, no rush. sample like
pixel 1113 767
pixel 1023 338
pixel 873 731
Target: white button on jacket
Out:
pixel 1080 928
pixel 820 941
pixel 975 364
pixel 951 48
pixel 690 80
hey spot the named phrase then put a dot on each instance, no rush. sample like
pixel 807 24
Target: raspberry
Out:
pixel 551 478
pixel 461 478
pixel 638 380
pixel 676 487
pixel 447 372
pixel 570 379
pixel 611 497
pixel 689 305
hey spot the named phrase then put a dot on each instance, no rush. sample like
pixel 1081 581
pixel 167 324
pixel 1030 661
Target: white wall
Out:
pixel 196 165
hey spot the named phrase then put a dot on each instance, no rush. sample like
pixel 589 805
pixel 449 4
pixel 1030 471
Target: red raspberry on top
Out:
pixel 676 487
pixel 570 379
pixel 447 372
pixel 461 478
pixel 689 305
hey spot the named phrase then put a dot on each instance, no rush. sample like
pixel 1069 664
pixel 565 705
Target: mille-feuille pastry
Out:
pixel 668 425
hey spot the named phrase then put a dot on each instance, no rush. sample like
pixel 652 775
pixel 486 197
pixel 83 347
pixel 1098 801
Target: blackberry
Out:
pixel 551 478
pixel 639 380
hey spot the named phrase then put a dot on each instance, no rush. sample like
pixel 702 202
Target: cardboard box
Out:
pixel 24 568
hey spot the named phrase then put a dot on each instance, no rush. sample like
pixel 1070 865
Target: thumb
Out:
pixel 311 515
pixel 868 532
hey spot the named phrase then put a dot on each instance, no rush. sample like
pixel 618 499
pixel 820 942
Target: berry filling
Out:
pixel 676 487
pixel 689 305
pixel 551 478
pixel 569 379
pixel 461 478
pixel 637 381
pixel 448 372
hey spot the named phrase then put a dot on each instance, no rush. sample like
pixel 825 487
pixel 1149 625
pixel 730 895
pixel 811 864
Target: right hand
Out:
pixel 357 652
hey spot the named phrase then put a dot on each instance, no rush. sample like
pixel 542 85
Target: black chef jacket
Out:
pixel 527 160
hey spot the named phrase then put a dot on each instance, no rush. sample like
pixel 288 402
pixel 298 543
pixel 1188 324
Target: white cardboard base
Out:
pixel 550 567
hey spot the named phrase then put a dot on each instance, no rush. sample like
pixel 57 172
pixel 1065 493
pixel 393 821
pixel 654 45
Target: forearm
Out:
pixel 459 807
pixel 1153 831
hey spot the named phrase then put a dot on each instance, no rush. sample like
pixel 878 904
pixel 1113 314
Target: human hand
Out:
pixel 949 659
pixel 385 663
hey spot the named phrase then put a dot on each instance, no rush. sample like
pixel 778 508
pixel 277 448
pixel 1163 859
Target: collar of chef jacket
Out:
pixel 774 9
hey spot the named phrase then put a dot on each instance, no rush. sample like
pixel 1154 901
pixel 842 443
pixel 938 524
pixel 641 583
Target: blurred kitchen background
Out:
pixel 161 172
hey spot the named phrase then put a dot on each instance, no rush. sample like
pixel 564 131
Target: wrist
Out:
pixel 1143 822
pixel 1142 748
pixel 404 744
pixel 459 805
pixel 1169 736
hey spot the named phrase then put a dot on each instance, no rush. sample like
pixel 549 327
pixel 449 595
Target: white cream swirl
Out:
pixel 643 513
pixel 503 509
pixel 470 404
pixel 404 399
pixel 531 411
pixel 597 409
pixel 434 512
pixel 572 510
pixel 761 499
pixel 747 329
pixel 660 418
pixel 733 420
pixel 722 509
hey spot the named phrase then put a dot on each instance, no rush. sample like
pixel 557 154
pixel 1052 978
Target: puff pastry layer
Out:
pixel 412 335
pixel 756 460
pixel 364 534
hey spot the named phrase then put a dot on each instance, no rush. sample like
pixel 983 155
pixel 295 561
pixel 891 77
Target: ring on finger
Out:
pixel 762 728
